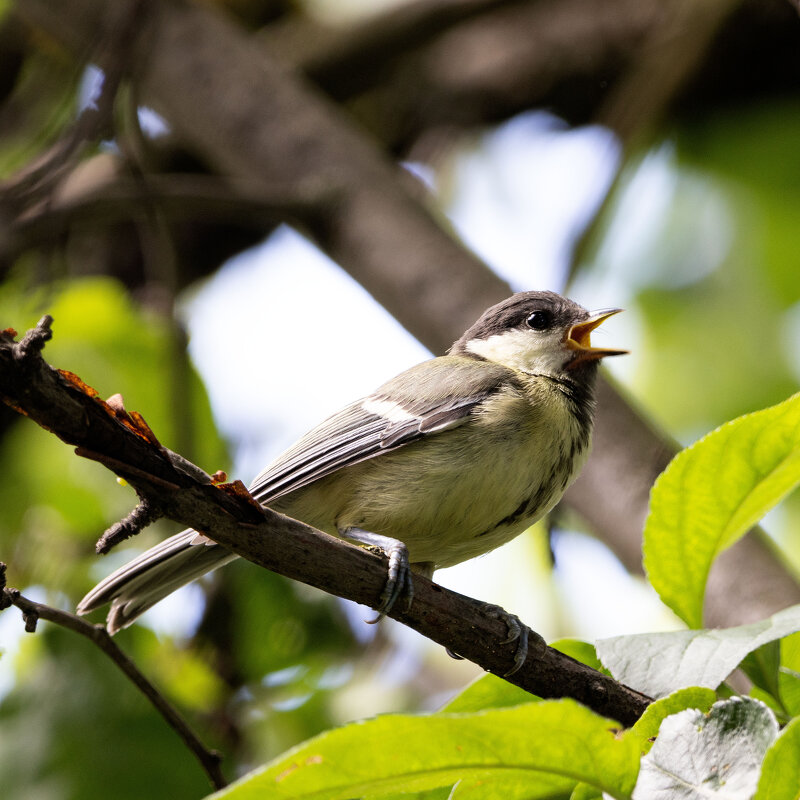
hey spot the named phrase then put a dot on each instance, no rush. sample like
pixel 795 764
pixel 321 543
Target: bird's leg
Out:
pixel 399 574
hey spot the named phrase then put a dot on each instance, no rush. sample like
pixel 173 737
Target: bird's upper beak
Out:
pixel 578 339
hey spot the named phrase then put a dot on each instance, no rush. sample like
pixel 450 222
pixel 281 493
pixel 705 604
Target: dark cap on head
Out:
pixel 515 310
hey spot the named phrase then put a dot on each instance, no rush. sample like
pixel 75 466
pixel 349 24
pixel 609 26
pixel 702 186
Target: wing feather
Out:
pixel 392 417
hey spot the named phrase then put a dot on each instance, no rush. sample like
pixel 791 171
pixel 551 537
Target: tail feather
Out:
pixel 141 583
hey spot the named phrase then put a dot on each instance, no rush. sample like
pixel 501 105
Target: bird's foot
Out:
pixel 517 632
pixel 399 573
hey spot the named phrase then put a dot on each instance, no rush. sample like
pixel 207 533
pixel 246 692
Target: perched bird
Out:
pixel 449 460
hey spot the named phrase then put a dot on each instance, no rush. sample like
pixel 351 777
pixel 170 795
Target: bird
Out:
pixel 448 460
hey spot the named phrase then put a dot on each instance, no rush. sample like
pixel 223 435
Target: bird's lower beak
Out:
pixel 578 339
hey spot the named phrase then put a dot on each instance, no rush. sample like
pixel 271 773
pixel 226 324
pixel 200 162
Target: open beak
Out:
pixel 578 339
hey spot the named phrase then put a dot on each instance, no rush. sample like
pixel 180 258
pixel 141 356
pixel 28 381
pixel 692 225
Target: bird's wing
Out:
pixel 389 418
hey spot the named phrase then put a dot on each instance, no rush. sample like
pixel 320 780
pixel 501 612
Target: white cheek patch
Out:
pixel 388 409
pixel 521 350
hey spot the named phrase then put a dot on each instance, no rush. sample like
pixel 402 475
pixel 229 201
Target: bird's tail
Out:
pixel 141 583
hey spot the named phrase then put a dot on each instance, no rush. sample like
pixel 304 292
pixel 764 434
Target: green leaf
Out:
pixel 715 755
pixel 647 726
pixel 585 792
pixel 488 691
pixel 789 677
pixel 711 494
pixel 514 785
pixel 660 663
pixel 768 700
pixel 441 793
pixel 780 772
pixel 762 665
pixel 580 651
pixel 552 743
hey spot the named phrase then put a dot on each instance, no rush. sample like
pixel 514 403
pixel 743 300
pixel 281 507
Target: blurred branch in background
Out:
pixel 568 56
pixel 496 59
pixel 108 199
pixel 38 181
pixel 272 113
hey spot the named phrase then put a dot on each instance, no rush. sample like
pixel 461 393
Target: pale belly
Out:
pixel 452 496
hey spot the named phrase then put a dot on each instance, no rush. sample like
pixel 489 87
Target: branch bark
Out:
pixel 61 403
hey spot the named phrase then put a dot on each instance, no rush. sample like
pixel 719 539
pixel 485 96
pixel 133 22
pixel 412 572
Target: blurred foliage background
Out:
pixel 696 238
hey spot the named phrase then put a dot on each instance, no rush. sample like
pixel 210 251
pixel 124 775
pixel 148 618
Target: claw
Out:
pixel 517 632
pixel 398 577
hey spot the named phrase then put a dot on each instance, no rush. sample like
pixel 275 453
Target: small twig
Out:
pixel 188 468
pixel 34 340
pixel 32 612
pixel 143 515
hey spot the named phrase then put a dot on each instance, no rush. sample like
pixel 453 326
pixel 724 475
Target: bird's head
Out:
pixel 538 332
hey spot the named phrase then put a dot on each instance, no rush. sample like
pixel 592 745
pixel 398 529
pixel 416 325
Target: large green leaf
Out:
pixel 714 755
pixel 585 792
pixel 660 663
pixel 711 493
pixel 513 785
pixel 780 772
pixel 552 743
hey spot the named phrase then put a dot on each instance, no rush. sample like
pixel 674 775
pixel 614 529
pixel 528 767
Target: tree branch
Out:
pixel 63 404
pixel 468 63
pixel 179 197
pixel 32 612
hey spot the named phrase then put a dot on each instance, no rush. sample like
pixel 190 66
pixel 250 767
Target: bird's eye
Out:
pixel 540 320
